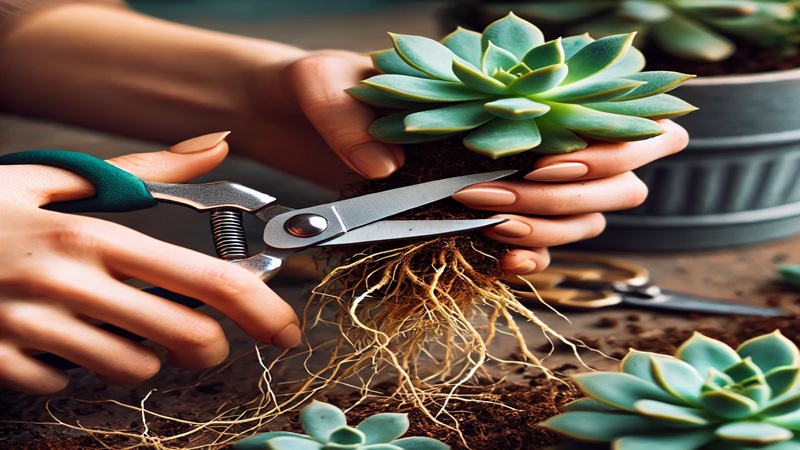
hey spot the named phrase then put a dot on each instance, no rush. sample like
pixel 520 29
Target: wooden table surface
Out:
pixel 743 274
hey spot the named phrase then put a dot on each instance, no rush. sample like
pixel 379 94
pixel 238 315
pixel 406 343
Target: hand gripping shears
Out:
pixel 287 231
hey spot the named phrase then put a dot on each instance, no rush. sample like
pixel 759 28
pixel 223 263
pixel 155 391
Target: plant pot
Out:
pixel 737 181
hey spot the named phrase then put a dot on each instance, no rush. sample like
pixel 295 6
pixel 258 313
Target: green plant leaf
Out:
pixel 420 443
pixel 539 80
pixel 347 436
pixel 727 404
pixel 671 413
pixel 320 419
pixel 662 106
pixel 631 63
pixel 717 9
pixel 258 441
pixel 759 393
pixel 789 421
pixel 671 440
pixel 383 427
pixel 597 56
pixel 388 61
pixel 678 378
pixel 475 79
pixel 782 406
pixel 754 432
pixel 516 108
pixel 547 54
pixel 513 34
pixel 376 97
pixel 598 426
pixel 704 353
pixel 688 39
pixel 423 90
pixel 292 443
pixel 639 364
pixel 602 125
pixel 640 11
pixel 574 44
pixel 466 44
pixel 588 404
pixel 500 137
pixel 448 119
pixel 717 379
pixel 657 82
pixel 770 351
pixel 591 92
pixel 790 273
pixel 556 139
pixel 497 59
pixel 375 447
pixel 743 370
pixel 620 390
pixel 426 55
pixel 782 380
pixel 392 129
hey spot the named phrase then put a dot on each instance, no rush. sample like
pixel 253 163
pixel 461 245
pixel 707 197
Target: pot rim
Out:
pixel 750 78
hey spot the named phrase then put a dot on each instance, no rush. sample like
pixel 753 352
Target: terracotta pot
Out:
pixel 737 183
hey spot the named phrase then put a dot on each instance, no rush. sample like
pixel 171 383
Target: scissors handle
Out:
pixel 116 190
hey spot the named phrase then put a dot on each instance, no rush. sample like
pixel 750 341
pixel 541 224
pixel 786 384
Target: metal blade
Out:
pixel 346 215
pixel 390 230
pixel 679 301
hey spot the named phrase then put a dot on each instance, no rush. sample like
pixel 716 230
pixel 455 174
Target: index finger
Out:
pixel 606 159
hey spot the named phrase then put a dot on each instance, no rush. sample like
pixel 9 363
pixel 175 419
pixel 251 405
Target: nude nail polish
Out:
pixel 199 143
pixel 373 160
pixel 485 197
pixel 513 229
pixel 563 171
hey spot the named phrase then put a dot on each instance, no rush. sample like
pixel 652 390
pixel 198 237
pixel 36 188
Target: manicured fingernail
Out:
pixel 199 143
pixel 563 171
pixel 513 228
pixel 524 267
pixel 485 196
pixel 373 160
pixel 289 337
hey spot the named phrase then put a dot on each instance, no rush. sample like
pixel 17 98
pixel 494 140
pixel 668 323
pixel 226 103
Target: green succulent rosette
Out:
pixel 327 429
pixel 708 396
pixel 509 91
pixel 706 30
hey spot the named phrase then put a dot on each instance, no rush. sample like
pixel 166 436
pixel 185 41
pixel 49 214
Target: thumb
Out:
pixel 45 184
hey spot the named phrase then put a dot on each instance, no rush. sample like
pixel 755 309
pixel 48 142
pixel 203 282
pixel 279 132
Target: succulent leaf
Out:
pixel 678 378
pixel 588 404
pixel 501 137
pixel 384 427
pixel 620 390
pixel 728 404
pixel 744 370
pixel 258 441
pixel 598 426
pixel 704 353
pixel 644 11
pixel 347 436
pixel 692 40
pixel 770 351
pixel 558 91
pixel 420 443
pixel 671 413
pixel 782 379
pixel 671 440
pixel 320 419
pixel 754 432
pixel 784 405
pixel 292 443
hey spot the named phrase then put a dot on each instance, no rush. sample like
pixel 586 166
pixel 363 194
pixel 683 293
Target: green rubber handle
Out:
pixel 116 189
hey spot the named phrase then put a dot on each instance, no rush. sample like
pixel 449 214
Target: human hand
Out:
pixel 62 272
pixel 566 194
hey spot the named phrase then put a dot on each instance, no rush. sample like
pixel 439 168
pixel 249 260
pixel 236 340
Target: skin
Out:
pixel 168 83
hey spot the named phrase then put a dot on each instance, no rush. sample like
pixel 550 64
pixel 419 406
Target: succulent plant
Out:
pixel 790 274
pixel 692 29
pixel 512 91
pixel 327 429
pixel 707 397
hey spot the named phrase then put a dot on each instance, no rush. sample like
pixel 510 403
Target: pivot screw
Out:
pixel 306 225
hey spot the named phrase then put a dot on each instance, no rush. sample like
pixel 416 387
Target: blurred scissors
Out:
pixel 587 281
pixel 287 231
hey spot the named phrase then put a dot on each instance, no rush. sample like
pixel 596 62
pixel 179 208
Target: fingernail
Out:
pixel 485 196
pixel 524 267
pixel 513 228
pixel 373 160
pixel 289 337
pixel 563 171
pixel 199 143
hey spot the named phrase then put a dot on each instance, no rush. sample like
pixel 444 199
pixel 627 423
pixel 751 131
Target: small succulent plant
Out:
pixel 790 274
pixel 691 29
pixel 512 91
pixel 707 397
pixel 327 429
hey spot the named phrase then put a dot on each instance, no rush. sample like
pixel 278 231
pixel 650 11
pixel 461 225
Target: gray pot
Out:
pixel 738 180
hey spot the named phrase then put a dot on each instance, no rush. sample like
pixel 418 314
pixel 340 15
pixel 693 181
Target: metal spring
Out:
pixel 227 229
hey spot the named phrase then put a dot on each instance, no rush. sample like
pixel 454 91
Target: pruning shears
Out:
pixel 287 231
pixel 585 281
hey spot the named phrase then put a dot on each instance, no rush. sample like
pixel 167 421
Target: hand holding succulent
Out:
pixel 512 91
pixel 707 397
pixel 327 429
pixel 706 30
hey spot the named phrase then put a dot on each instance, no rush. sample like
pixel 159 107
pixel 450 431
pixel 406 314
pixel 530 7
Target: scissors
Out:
pixel 287 231
pixel 588 281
